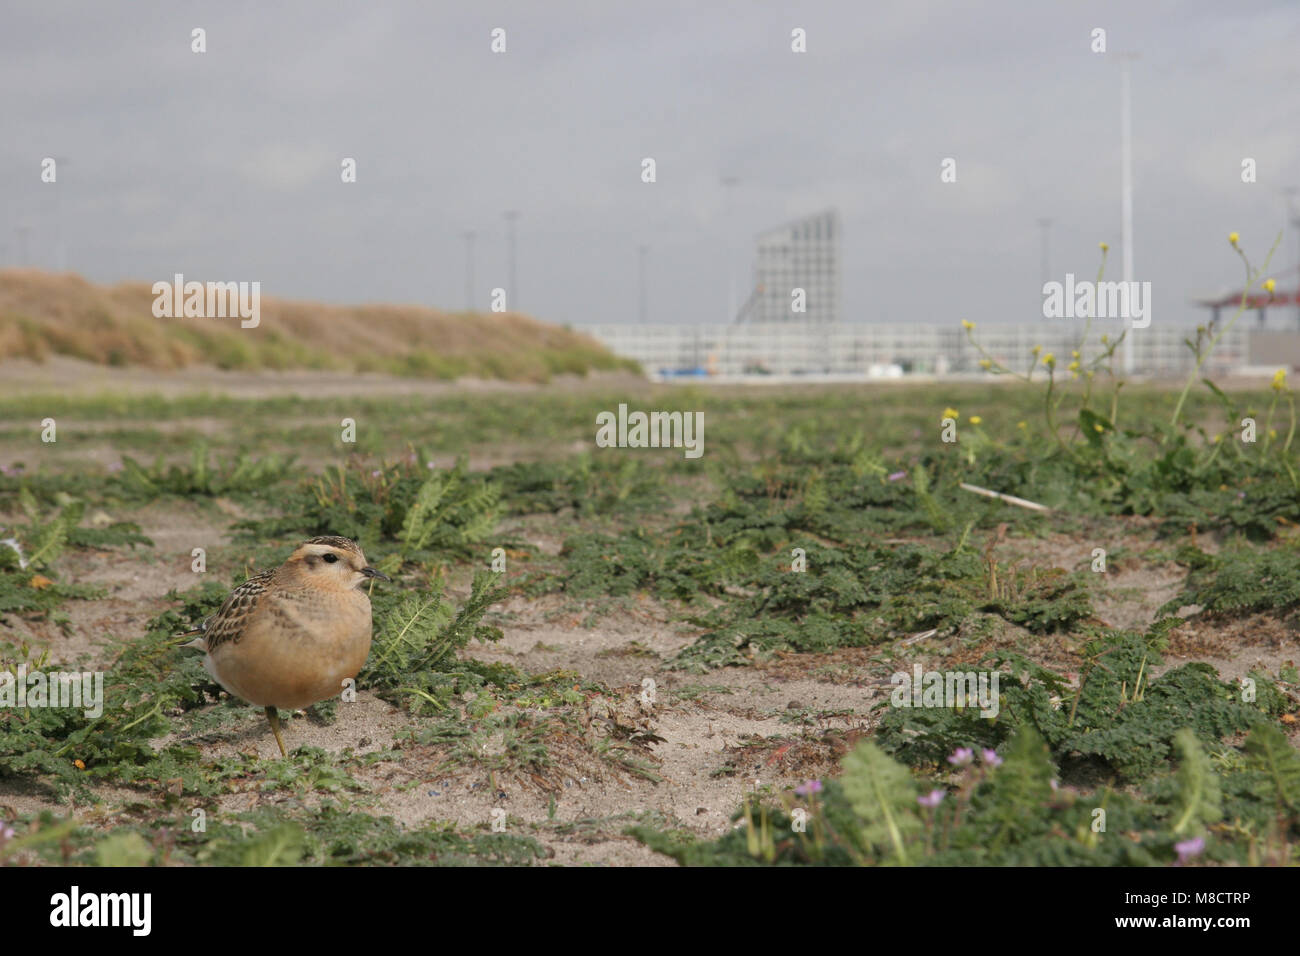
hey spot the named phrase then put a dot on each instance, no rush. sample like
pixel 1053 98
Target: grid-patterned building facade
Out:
pixel 804 254
pixel 862 349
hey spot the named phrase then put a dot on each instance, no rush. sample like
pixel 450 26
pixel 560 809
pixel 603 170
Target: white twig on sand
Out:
pixel 1009 499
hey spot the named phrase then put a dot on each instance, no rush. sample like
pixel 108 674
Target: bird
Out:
pixel 290 636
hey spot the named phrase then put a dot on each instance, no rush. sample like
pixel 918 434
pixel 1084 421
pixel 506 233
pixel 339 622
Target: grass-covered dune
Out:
pixel 44 314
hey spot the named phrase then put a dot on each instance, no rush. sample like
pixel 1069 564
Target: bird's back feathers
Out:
pixel 228 623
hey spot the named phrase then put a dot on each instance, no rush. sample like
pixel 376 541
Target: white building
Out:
pixel 806 347
pixel 804 254
pixel 769 338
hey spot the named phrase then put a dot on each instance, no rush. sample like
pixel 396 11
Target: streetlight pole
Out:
pixel 469 270
pixel 728 184
pixel 1045 267
pixel 1293 220
pixel 642 311
pixel 1126 189
pixel 512 216
pixel 60 248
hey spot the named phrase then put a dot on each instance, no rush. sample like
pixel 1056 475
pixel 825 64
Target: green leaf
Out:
pixel 1228 405
pixel 422 517
pixel 282 846
pixel 1021 786
pixel 1199 800
pixel 1090 422
pixel 921 486
pixel 124 848
pixel 883 796
pixel 1268 751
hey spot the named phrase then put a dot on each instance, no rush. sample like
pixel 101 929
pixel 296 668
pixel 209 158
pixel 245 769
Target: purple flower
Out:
pixel 6 832
pixel 375 474
pixel 1189 848
pixel 991 757
pixel 931 799
pixel 961 756
pixel 898 476
pixel 11 471
pixel 812 786
pixel 430 465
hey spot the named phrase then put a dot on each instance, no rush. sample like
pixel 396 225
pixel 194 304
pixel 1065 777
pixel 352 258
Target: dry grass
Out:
pixel 43 314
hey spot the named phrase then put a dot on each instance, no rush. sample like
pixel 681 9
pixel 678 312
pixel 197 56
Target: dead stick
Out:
pixel 1009 499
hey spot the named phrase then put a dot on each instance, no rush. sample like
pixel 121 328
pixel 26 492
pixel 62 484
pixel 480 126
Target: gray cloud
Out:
pixel 226 164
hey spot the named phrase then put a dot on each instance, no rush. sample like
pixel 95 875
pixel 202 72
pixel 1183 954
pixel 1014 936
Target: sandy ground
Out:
pixel 711 730
pixel 715 736
pixel 63 375
pixel 709 739
pixel 67 376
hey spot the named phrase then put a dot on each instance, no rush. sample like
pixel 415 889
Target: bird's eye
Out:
pixel 330 558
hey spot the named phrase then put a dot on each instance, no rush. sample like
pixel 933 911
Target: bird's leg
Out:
pixel 273 716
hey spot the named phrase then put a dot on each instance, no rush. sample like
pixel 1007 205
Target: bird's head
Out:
pixel 332 562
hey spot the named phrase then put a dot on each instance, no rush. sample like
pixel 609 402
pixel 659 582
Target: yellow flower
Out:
pixel 1270 285
pixel 1022 424
pixel 985 363
pixel 975 419
pixel 1090 373
pixel 1104 247
pixel 965 324
pixel 1279 380
pixel 1073 366
pixel 1049 359
pixel 1098 427
pixel 1073 353
pixel 951 413
pixel 1036 349
pixel 1233 238
pixel 1272 433
pixel 1217 439
pixel 1105 339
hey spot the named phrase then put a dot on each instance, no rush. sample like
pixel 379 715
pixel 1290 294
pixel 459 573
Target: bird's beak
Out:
pixel 376 573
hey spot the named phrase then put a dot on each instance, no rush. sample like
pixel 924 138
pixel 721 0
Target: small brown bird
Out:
pixel 289 637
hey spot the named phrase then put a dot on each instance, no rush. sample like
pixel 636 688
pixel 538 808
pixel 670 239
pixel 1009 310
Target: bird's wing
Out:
pixel 228 623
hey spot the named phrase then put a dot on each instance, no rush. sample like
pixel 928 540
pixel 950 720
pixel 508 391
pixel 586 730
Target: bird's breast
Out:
pixel 298 649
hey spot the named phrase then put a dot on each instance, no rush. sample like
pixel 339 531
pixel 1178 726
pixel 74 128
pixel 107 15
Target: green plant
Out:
pixel 407 507
pixel 245 475
pixel 1144 465
pixel 1007 808
pixel 1240 580
pixel 413 657
pixel 28 581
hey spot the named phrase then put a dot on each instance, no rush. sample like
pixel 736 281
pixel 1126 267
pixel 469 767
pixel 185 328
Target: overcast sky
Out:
pixel 226 165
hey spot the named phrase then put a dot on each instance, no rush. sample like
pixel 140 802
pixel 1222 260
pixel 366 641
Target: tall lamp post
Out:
pixel 1126 188
pixel 1293 220
pixel 512 216
pixel 469 270
pixel 728 184
pixel 642 311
